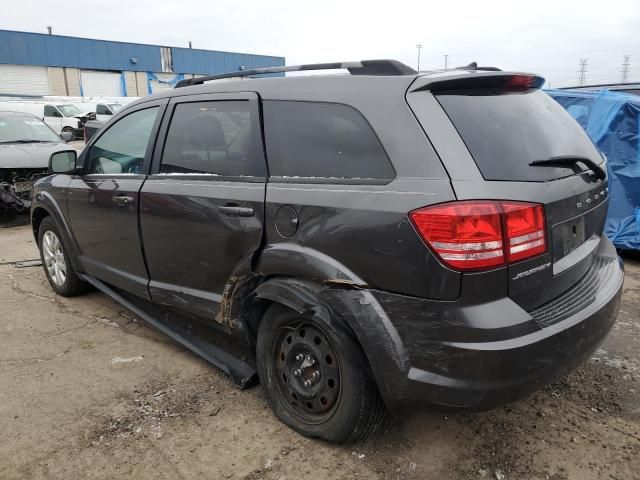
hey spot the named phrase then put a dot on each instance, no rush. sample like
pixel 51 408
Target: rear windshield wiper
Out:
pixel 598 171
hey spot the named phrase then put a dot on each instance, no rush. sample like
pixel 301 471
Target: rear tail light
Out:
pixel 480 234
pixel 524 225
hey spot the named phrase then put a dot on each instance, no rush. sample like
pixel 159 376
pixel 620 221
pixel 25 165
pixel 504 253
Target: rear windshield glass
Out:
pixel 505 132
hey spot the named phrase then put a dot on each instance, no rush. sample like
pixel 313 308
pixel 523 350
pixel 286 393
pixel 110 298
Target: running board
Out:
pixel 243 375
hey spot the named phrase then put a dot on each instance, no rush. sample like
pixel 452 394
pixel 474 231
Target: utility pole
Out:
pixel 626 63
pixel 419 47
pixel 582 73
pixel 446 62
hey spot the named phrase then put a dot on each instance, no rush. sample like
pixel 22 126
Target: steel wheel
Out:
pixel 54 258
pixel 307 370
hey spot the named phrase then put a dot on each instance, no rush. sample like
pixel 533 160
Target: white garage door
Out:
pixel 24 79
pixel 100 84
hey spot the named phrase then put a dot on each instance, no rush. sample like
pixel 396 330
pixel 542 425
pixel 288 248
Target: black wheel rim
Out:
pixel 307 371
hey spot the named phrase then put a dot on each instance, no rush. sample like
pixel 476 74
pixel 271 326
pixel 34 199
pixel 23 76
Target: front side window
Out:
pixel 122 148
pixel 214 137
pixel 51 111
pixel 326 140
pixel 101 110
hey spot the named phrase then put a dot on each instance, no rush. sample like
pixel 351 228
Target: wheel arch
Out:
pixel 352 311
pixel 45 206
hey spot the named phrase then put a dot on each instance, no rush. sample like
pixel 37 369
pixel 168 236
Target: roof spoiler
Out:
pixel 511 81
pixel 361 67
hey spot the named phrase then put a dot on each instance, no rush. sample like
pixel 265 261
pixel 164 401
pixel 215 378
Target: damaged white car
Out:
pixel 25 146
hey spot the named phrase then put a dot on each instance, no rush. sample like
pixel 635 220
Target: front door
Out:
pixel 103 202
pixel 202 208
pixel 53 118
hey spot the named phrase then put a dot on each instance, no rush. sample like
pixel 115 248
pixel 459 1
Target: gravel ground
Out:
pixel 88 391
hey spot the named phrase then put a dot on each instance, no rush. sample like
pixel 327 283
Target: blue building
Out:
pixel 41 64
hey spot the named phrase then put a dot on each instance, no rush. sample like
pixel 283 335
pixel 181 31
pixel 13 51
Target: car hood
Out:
pixel 28 155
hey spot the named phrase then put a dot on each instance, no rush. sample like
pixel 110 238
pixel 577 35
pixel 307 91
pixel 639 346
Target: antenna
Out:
pixel 50 29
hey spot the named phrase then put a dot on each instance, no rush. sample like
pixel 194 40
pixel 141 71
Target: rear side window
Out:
pixel 328 140
pixel 506 131
pixel 216 138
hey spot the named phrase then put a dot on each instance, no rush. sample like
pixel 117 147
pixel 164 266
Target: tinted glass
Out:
pixel 217 137
pixel 310 139
pixel 122 148
pixel 14 128
pixel 506 132
pixel 50 111
pixel 101 110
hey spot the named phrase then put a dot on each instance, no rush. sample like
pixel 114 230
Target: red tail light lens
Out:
pixel 473 235
pixel 524 224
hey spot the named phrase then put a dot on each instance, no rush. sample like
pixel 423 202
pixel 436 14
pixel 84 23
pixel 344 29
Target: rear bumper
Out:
pixel 481 355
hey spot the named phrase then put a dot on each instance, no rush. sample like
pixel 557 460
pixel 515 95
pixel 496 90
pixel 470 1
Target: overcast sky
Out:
pixel 547 37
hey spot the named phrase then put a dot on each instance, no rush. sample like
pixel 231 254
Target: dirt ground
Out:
pixel 87 391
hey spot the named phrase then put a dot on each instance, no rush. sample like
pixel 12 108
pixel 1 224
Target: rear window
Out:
pixel 326 140
pixel 505 132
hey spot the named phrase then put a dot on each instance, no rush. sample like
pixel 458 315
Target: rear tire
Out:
pixel 56 261
pixel 340 402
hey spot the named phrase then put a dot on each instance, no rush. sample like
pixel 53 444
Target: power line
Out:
pixel 626 63
pixel 499 60
pixel 582 73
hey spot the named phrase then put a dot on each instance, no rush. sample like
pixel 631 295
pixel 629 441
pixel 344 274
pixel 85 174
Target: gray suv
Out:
pixel 376 240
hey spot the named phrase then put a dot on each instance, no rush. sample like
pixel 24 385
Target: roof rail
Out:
pixel 474 66
pixel 362 67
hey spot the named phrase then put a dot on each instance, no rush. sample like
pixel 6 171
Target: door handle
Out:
pixel 235 211
pixel 122 200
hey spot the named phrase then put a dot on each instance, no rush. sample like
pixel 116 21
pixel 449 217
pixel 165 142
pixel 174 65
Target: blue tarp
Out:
pixel 612 120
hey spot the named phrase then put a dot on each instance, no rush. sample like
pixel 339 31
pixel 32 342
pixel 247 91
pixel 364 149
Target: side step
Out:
pixel 243 375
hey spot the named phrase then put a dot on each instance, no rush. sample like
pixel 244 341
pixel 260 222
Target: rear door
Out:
pixel 487 137
pixel 103 202
pixel 202 208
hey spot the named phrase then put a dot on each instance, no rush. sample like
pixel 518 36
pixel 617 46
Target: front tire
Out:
pixel 56 262
pixel 70 130
pixel 316 378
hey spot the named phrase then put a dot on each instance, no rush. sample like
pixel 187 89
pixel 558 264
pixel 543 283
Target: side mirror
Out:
pixel 63 162
pixel 67 136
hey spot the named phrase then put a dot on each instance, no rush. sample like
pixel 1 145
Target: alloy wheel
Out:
pixel 54 258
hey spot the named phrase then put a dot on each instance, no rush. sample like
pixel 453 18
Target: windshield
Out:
pixel 16 129
pixel 69 110
pixel 506 131
pixel 115 107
